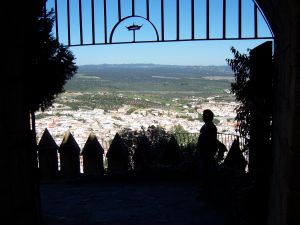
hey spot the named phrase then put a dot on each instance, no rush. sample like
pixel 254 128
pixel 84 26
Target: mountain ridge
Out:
pixel 153 69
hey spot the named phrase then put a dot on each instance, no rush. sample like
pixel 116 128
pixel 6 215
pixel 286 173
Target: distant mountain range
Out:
pixel 142 70
pixel 204 80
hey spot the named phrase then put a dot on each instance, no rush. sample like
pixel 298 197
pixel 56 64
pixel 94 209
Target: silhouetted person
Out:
pixel 207 146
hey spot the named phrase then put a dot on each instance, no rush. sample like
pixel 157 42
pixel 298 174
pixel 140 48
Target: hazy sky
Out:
pixel 175 53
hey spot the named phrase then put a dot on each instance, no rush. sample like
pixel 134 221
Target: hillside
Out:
pixel 203 80
pixel 146 70
pixel 108 98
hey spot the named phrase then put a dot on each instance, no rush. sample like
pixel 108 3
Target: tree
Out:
pixel 52 65
pixel 177 129
pixel 242 88
pixel 253 88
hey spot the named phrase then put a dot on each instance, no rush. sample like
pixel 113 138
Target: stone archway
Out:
pixel 285 185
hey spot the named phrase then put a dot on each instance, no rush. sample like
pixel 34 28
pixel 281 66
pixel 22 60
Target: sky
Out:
pixel 212 52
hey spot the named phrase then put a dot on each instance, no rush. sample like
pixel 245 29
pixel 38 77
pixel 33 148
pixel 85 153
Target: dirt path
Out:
pixel 139 203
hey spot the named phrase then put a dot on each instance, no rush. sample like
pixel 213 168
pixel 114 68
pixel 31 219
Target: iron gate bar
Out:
pixel 80 22
pixel 69 26
pixel 160 36
pixel 105 21
pixel 119 10
pixel 207 19
pixel 255 21
pixel 162 21
pixel 177 20
pixel 193 18
pixel 93 21
pixel 240 18
pixel 133 8
pixel 224 19
pixel 147 10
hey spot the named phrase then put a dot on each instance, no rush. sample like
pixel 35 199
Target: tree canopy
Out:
pixel 52 65
pixel 242 88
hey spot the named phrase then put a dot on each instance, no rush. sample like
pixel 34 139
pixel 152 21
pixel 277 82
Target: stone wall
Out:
pixel 285 185
pixel 19 189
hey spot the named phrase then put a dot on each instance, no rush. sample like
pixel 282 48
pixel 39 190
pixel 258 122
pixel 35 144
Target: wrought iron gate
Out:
pixel 98 22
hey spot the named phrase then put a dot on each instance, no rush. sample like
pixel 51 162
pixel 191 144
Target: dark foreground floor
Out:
pixel 127 203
